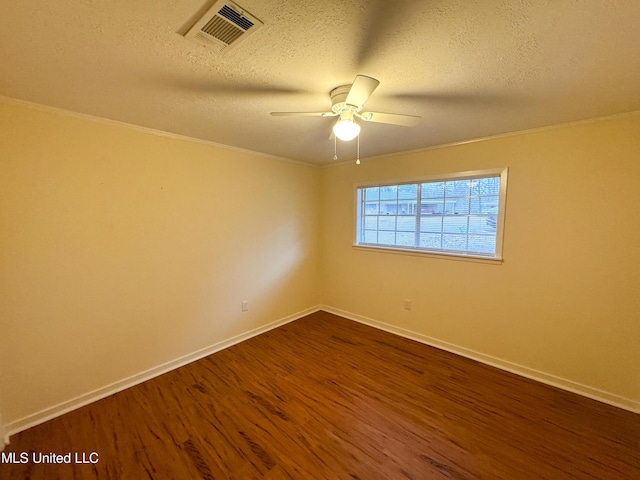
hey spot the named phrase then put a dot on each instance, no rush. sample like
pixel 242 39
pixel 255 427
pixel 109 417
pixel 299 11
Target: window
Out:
pixel 457 214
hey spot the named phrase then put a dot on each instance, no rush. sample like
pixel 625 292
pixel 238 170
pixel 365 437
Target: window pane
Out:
pixel 431 224
pixel 431 207
pixel 482 243
pixel 485 186
pixel 387 238
pixel 454 242
pixel 370 236
pixel 405 239
pixel 480 224
pixel 372 193
pixel 371 208
pixel 432 190
pixel 454 224
pixel 407 224
pixel 406 208
pixel 488 204
pixel 388 208
pixel 428 240
pixel 389 192
pixel 457 206
pixel 387 223
pixel 475 186
pixel 371 222
pixel 457 188
pixel 408 191
pixel 474 206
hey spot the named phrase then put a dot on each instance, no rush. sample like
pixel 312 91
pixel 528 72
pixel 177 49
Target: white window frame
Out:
pixel 438 253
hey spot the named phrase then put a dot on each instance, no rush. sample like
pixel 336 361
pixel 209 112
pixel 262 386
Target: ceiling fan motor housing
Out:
pixel 338 97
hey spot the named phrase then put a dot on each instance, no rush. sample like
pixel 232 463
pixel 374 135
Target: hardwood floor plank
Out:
pixel 327 398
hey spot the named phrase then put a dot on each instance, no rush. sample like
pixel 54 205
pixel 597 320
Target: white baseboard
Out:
pixel 90 397
pixel 562 383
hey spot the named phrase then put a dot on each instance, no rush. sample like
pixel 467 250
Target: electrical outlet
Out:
pixel 407 304
pixel 245 305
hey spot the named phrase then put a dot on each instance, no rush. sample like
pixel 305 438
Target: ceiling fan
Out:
pixel 347 102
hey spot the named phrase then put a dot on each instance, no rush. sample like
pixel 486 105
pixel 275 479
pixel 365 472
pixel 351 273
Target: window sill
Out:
pixel 465 257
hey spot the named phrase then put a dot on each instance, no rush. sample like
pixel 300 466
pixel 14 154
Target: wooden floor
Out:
pixel 327 398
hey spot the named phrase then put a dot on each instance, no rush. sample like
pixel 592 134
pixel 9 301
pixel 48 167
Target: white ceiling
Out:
pixel 469 68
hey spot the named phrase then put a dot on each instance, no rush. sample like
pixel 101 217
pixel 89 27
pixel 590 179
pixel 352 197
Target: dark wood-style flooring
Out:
pixel 328 398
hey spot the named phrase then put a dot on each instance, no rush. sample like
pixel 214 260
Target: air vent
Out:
pixel 224 26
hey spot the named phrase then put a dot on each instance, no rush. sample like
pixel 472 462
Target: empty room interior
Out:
pixel 339 239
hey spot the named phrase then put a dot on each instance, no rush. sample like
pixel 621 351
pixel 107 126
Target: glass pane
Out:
pixel 371 222
pixel 431 224
pixel 457 206
pixel 489 204
pixel 389 192
pixel 408 191
pixel 482 243
pixel 492 222
pixel 474 205
pixel 371 208
pixel 474 183
pixel 406 208
pixel 387 223
pixel 480 224
pixel 484 205
pixel 405 239
pixel 387 238
pixel 455 224
pixel 406 224
pixel 388 208
pixel 372 193
pixel 370 236
pixel 454 242
pixel 432 190
pixel 428 240
pixel 485 186
pixel 431 207
pixel 457 188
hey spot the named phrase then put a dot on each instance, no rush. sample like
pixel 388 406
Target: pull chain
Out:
pixel 335 149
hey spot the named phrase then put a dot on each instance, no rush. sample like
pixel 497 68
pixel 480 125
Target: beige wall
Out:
pixel 121 250
pixel 566 300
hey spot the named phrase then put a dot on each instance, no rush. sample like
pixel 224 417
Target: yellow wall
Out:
pixel 121 250
pixel 566 300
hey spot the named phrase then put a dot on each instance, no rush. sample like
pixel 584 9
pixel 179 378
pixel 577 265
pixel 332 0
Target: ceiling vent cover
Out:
pixel 224 26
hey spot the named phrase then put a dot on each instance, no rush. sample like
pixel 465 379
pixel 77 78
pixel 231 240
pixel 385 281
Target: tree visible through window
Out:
pixel 461 213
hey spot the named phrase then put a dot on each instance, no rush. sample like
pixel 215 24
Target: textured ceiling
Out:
pixel 469 68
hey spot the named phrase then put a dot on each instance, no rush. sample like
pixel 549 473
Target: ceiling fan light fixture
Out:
pixel 346 129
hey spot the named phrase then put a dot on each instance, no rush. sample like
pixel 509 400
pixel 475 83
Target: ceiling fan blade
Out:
pixel 361 90
pixel 303 114
pixel 390 118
